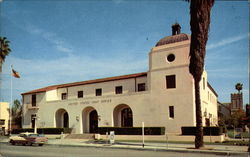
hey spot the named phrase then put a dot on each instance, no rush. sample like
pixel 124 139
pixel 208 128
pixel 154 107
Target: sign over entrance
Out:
pixel 90 102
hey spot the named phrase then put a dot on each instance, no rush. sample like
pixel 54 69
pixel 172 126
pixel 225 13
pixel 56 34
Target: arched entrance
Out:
pixel 65 120
pixel 93 122
pixel 90 120
pixel 62 118
pixel 123 116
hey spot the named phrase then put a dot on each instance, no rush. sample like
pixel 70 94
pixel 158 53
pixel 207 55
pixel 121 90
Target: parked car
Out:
pixel 28 139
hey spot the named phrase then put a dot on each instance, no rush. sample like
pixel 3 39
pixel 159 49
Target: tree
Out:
pixel 16 112
pixel 237 118
pixel 199 22
pixel 4 50
pixel 239 87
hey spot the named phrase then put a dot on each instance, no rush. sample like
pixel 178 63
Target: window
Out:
pixel 171 57
pixel 204 83
pixel 141 87
pixel 64 96
pixel 98 92
pixel 80 94
pixel 33 100
pixel 171 111
pixel 2 121
pixel 118 90
pixel 170 81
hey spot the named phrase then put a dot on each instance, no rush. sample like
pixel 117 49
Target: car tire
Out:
pixel 40 144
pixel 12 142
pixel 29 144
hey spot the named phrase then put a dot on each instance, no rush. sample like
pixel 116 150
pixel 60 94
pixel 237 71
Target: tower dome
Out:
pixel 177 36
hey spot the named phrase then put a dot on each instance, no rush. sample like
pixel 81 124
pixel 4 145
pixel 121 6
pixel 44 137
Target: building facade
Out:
pixel 161 97
pixel 236 102
pixel 4 117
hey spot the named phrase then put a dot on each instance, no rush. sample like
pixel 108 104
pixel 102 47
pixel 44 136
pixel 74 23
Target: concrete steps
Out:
pixel 80 136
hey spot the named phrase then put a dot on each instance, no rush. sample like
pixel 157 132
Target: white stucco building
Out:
pixel 4 117
pixel 161 97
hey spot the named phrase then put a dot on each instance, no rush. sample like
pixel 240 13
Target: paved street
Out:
pixel 65 151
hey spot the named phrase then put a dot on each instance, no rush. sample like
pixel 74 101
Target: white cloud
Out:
pixel 225 42
pixel 58 43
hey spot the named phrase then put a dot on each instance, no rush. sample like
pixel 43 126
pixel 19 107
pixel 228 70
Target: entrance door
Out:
pixel 93 122
pixel 127 117
pixel 33 120
pixel 65 120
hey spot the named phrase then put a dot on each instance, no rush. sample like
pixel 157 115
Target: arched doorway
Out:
pixel 126 117
pixel 65 120
pixel 62 118
pixel 90 120
pixel 93 122
pixel 123 116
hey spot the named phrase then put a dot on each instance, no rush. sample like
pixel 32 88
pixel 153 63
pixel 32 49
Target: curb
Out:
pixel 225 153
pixel 228 153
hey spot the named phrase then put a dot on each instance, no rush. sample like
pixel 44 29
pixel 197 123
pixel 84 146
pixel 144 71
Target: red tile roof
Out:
pixel 86 82
pixel 172 39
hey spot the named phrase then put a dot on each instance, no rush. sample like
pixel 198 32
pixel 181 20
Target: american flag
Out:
pixel 15 74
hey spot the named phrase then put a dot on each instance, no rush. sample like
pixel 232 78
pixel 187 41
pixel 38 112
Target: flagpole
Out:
pixel 11 97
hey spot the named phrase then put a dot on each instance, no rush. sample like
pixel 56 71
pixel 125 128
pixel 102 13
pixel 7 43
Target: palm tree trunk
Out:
pixel 199 129
pixel 199 22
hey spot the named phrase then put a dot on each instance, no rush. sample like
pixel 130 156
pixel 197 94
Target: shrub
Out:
pixel 43 130
pixel 132 130
pixel 191 130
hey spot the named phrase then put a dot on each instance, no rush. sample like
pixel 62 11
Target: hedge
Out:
pixel 191 130
pixel 132 130
pixel 43 130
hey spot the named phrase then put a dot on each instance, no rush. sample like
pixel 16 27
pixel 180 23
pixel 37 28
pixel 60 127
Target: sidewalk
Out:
pixel 150 146
pixel 174 147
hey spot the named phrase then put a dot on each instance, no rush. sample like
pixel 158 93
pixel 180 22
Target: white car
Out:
pixel 28 139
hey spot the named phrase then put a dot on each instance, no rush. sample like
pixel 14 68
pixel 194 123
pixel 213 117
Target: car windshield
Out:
pixel 33 135
pixel 36 135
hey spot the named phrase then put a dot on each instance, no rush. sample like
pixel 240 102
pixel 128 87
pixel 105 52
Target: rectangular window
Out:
pixel 64 96
pixel 204 83
pixel 171 111
pixel 141 87
pixel 118 90
pixel 170 81
pixel 98 92
pixel 33 100
pixel 80 94
pixel 2 121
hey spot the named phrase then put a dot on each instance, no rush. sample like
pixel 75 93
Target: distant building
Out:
pixel 236 102
pixel 161 97
pixel 248 111
pixel 4 117
pixel 224 111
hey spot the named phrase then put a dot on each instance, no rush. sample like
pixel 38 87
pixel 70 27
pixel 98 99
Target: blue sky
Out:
pixel 62 41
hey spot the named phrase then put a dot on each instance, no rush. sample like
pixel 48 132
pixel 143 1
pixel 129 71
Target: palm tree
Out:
pixel 199 22
pixel 239 87
pixel 4 50
pixel 16 112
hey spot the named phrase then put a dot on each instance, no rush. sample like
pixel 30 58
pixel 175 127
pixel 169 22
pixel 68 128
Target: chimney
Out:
pixel 176 29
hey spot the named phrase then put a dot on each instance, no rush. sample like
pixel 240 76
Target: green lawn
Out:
pixel 231 133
